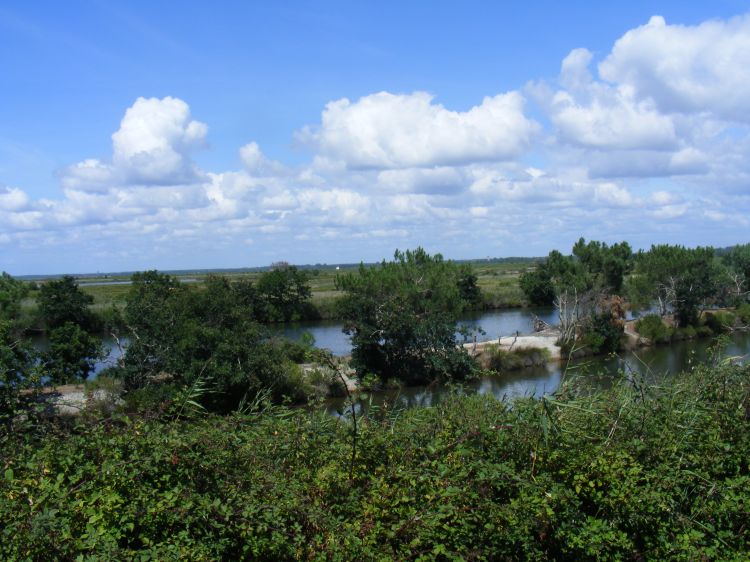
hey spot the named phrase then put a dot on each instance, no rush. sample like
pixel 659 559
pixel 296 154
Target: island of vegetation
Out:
pixel 194 445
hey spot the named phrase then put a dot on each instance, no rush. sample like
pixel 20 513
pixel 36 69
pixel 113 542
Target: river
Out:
pixel 649 362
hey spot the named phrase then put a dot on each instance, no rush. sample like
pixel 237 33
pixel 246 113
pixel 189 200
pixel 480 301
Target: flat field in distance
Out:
pixel 498 280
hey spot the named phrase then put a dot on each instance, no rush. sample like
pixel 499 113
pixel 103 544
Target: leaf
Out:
pixel 9 474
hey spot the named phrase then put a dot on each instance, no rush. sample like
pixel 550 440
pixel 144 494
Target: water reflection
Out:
pixel 651 363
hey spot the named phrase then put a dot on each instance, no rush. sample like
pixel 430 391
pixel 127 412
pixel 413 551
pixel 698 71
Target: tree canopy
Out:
pixel 401 316
pixel 62 301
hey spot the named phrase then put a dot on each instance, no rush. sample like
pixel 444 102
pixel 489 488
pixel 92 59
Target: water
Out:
pixel 495 323
pixel 113 352
pixel 652 363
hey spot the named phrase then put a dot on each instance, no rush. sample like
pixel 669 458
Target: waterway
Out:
pixel 649 363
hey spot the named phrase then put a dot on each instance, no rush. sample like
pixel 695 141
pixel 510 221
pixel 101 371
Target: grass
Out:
pixel 498 282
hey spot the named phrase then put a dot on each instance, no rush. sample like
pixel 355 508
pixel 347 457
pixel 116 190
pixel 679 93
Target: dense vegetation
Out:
pixel 635 472
pixel 402 316
pixel 200 460
pixel 591 287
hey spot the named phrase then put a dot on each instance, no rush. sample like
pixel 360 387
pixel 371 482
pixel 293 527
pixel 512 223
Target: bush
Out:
pixel 500 360
pixel 685 333
pixel 633 472
pixel 602 333
pixel 719 322
pixel 652 327
pixel 743 313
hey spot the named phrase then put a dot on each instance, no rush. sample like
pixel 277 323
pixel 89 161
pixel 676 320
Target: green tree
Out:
pixel 608 265
pixel 62 301
pixel 737 262
pixel 12 292
pixel 204 333
pixel 537 286
pixel 680 279
pixel 285 290
pixel 72 354
pixel 401 316
pixel 17 370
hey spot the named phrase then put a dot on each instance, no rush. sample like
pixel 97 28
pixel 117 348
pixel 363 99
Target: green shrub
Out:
pixel 685 333
pixel 500 360
pixel 652 327
pixel 656 472
pixel 719 322
pixel 743 313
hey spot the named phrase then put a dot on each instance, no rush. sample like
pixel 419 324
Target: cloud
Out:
pixel 153 143
pixel 151 147
pixel 422 180
pixel 256 163
pixel 597 115
pixel 13 199
pixel 387 130
pixel 619 156
pixel 702 68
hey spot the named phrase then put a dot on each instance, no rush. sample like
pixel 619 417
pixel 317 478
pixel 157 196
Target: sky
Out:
pixel 153 135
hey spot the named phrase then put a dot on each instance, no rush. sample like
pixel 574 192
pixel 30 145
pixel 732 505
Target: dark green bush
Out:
pixel 635 472
pixel 743 313
pixel 719 322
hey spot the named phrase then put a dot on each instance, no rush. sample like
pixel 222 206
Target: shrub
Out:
pixel 652 327
pixel 633 472
pixel 719 322
pixel 500 360
pixel 743 313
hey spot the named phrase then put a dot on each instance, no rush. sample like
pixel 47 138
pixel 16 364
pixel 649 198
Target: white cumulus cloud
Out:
pixel 387 130
pixel 701 68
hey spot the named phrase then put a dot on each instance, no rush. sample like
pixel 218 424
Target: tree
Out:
pixel 608 265
pixel 737 262
pixel 62 301
pixel 537 286
pixel 680 279
pixel 12 292
pixel 401 316
pixel 72 354
pixel 285 291
pixel 209 333
pixel 18 369
pixel 579 286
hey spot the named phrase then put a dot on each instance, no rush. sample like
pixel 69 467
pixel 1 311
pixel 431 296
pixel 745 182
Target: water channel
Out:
pixel 651 362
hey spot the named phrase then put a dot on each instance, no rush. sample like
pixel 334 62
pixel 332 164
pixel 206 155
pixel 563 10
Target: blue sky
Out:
pixel 158 135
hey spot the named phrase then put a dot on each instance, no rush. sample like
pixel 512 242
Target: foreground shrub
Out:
pixel 634 472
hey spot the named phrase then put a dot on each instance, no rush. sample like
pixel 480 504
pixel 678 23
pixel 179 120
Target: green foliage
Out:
pixel 401 316
pixel 602 333
pixel 537 286
pixel 501 360
pixel 743 313
pixel 61 301
pixel 186 334
pixel 468 289
pixel 72 354
pixel 652 327
pixel 719 322
pixel 679 278
pixel 12 292
pixel 609 264
pixel 18 371
pixel 738 261
pixel 634 472
pixel 285 293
